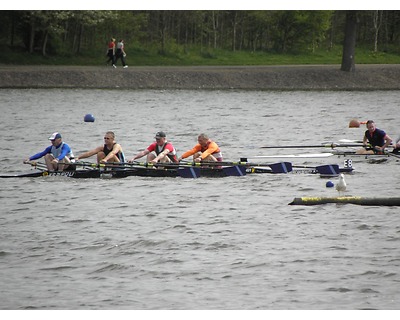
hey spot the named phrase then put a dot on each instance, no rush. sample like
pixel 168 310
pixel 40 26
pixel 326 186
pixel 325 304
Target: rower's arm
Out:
pixel 365 141
pixel 139 155
pixel 90 153
pixel 161 155
pixel 388 141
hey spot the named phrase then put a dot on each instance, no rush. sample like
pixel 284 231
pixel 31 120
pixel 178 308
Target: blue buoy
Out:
pixel 329 184
pixel 88 118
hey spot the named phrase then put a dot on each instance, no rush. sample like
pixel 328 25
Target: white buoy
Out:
pixel 341 185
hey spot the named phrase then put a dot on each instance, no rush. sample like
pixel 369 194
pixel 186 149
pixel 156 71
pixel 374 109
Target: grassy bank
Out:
pixel 180 57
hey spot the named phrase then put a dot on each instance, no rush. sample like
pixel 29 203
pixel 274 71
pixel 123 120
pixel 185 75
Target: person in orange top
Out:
pixel 205 150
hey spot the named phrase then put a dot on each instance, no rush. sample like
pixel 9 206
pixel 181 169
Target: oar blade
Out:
pixel 189 172
pixel 235 171
pixel 281 167
pixel 329 170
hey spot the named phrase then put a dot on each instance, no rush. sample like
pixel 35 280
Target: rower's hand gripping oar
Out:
pixel 36 165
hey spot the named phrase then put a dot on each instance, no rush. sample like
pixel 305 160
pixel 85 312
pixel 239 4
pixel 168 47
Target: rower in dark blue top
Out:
pixel 376 138
pixel 58 156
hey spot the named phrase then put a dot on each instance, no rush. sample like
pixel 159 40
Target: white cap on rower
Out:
pixel 55 136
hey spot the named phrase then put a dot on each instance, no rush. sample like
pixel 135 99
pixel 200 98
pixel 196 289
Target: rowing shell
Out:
pixel 188 172
pixel 71 174
pixel 137 171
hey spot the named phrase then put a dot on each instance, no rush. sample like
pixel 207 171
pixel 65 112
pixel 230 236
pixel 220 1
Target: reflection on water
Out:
pixel 230 243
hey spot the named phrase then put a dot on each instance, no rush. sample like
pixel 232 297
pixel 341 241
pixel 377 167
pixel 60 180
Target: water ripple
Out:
pixel 231 243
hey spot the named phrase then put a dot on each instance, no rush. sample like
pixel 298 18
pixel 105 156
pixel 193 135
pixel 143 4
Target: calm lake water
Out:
pixel 229 243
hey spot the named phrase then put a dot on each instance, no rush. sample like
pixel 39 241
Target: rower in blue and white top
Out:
pixel 58 156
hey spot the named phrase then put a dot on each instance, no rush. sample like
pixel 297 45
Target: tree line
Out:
pixel 58 32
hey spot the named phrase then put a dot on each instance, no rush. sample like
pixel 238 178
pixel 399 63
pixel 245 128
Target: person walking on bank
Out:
pixel 120 53
pixel 58 156
pixel 159 151
pixel 111 52
pixel 205 150
pixel 377 138
pixel 111 151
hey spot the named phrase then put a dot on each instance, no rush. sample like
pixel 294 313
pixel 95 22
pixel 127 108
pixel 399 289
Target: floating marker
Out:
pixel 363 201
pixel 329 184
pixel 88 118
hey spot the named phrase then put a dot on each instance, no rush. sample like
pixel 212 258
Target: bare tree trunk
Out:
pixel 78 49
pixel 234 23
pixel 163 31
pixel 44 45
pixel 377 20
pixel 75 39
pixel 31 34
pixel 13 22
pixel 331 33
pixel 215 26
pixel 349 45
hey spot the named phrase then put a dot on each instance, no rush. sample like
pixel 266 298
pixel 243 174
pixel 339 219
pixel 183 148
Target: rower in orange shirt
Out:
pixel 205 150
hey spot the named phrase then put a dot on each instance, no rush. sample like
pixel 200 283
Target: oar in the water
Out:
pixel 324 170
pixel 238 168
pixel 394 155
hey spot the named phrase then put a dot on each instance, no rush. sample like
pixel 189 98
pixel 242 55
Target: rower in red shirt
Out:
pixel 159 151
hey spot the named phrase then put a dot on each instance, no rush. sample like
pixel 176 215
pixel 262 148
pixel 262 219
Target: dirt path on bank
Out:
pixel 298 77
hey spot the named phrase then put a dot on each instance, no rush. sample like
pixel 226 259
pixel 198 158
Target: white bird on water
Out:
pixel 341 185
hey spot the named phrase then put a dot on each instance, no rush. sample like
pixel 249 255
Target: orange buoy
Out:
pixel 354 123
